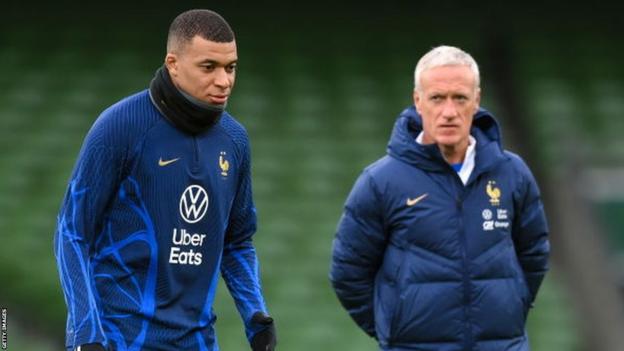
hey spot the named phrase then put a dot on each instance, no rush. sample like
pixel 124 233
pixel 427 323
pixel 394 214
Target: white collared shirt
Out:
pixel 469 158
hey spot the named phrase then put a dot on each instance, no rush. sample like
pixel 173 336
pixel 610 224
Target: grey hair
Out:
pixel 445 56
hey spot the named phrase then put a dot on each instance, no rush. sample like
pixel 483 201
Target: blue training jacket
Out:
pixel 423 262
pixel 150 218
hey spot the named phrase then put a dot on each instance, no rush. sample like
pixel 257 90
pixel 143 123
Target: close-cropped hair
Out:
pixel 445 56
pixel 207 24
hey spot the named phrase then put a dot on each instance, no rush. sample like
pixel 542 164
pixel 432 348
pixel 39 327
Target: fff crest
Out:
pixel 493 192
pixel 224 164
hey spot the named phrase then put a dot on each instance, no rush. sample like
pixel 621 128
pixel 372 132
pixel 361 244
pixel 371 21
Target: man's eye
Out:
pixel 436 98
pixel 208 68
pixel 230 68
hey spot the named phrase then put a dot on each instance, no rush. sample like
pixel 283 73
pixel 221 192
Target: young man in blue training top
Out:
pixel 159 204
pixel 443 243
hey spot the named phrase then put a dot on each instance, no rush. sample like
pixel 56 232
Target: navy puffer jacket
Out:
pixel 423 262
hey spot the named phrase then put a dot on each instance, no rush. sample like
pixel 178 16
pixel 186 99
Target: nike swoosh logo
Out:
pixel 412 202
pixel 162 163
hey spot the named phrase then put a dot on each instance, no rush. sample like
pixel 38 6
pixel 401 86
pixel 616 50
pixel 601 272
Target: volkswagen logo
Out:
pixel 193 204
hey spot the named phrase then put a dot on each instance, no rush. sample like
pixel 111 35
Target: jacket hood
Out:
pixel 403 146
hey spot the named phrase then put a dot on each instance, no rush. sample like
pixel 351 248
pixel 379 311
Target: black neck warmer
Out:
pixel 187 116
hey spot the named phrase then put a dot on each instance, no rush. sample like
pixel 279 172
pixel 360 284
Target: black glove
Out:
pixel 266 339
pixel 90 347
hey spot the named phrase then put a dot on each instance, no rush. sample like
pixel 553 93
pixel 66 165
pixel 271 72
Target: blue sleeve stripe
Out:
pixel 244 263
pixel 114 334
pixel 144 297
pixel 121 262
pixel 65 280
pixel 67 237
pixel 140 235
pixel 112 279
pixel 201 342
pixel 138 342
pixel 149 292
pixel 252 274
pixel 132 277
pixel 119 316
pixel 237 292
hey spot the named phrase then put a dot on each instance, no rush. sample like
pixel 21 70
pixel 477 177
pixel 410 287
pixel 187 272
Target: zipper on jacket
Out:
pixel 468 340
pixel 195 166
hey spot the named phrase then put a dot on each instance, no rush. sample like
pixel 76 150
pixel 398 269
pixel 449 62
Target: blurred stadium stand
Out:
pixel 318 89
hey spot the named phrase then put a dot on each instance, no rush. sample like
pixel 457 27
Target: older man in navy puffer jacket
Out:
pixel 443 243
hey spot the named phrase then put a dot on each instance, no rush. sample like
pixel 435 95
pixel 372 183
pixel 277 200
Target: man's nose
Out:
pixel 221 78
pixel 449 109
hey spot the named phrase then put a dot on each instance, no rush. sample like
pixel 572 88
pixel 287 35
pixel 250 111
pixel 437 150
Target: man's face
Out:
pixel 447 100
pixel 204 69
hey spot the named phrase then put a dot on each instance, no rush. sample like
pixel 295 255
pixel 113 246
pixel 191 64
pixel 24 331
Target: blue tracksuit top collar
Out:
pixel 403 145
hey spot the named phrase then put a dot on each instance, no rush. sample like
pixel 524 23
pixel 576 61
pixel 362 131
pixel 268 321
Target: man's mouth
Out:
pixel 218 99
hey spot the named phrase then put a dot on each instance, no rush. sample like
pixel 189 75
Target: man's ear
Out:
pixel 417 100
pixel 171 62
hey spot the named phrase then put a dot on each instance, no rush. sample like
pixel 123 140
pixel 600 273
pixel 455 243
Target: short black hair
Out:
pixel 207 24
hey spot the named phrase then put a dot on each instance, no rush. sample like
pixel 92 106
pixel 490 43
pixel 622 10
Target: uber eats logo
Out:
pixel 193 207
